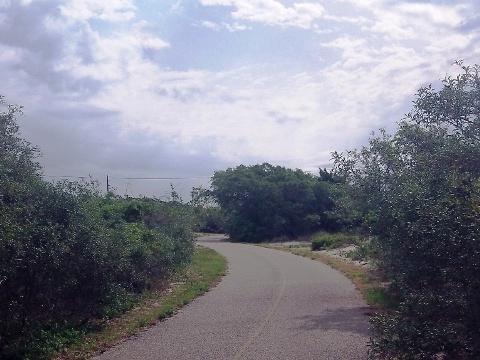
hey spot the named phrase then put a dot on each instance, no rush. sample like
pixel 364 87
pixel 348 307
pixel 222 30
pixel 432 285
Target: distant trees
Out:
pixel 264 201
pixel 207 215
pixel 67 253
pixel 419 192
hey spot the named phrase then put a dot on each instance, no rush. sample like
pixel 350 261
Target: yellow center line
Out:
pixel 271 311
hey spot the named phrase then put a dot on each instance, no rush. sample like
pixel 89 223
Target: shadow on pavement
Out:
pixel 352 320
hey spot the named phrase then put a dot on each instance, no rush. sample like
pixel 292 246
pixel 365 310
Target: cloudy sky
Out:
pixel 182 88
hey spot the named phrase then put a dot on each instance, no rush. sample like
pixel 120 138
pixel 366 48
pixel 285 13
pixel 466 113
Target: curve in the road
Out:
pixel 271 305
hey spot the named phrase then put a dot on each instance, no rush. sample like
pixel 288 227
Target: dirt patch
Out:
pixel 344 253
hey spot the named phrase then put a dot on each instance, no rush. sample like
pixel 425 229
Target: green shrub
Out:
pixel 166 311
pixel 376 296
pixel 363 252
pixel 420 337
pixel 42 341
pixel 325 241
pixel 68 254
pixel 420 191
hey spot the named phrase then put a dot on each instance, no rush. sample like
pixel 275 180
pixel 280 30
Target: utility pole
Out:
pixel 108 185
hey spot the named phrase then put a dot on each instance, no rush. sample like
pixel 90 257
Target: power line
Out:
pixel 132 178
pixel 162 178
pixel 66 176
pixel 111 179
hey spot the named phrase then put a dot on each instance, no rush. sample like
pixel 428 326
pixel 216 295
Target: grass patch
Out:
pixel 168 309
pixel 204 272
pixel 363 252
pixel 42 340
pixel 376 296
pixel 326 241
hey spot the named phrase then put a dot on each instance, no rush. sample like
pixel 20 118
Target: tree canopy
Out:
pixel 265 201
pixel 420 190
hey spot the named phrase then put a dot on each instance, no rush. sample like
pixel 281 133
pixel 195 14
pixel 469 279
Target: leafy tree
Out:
pixel 265 201
pixel 420 190
pixel 206 212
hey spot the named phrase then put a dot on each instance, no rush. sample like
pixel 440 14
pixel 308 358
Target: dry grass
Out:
pixel 364 278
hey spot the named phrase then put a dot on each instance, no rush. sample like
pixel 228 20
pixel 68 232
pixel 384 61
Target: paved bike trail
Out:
pixel 270 305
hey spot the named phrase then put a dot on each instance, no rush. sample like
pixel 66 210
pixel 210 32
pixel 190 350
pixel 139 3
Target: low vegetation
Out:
pixel 325 241
pixel 69 254
pixel 162 301
pixel 58 273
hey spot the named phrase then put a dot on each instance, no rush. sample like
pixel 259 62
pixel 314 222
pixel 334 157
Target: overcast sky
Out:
pixel 182 88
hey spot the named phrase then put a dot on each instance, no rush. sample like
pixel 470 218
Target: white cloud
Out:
pixel 399 49
pixel 224 26
pixel 177 8
pixel 111 10
pixel 375 54
pixel 63 50
pixel 243 115
pixel 272 12
pixel 112 58
pixel 444 15
pixel 347 19
pixel 415 20
pixel 212 25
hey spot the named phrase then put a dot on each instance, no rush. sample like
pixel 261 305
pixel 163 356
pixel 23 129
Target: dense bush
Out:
pixel 420 191
pixel 264 202
pixel 67 253
pixel 325 241
pixel 206 214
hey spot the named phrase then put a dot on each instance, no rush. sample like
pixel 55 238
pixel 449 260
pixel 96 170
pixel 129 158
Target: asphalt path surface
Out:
pixel 270 305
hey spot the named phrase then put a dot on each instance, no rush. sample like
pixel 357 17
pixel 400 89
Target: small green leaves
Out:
pixel 418 193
